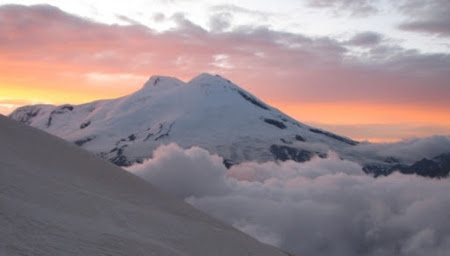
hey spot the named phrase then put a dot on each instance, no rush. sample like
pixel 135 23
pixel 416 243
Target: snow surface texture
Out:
pixel 57 199
pixel 321 207
pixel 208 111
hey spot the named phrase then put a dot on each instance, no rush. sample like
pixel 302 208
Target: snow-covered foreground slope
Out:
pixel 208 111
pixel 57 199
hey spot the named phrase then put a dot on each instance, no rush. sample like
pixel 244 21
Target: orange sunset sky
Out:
pixel 370 70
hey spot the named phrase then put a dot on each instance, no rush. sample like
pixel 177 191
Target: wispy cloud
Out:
pixel 356 8
pixel 8 105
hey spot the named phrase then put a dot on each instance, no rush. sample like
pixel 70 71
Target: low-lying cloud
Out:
pixel 408 151
pixel 321 207
pixel 181 172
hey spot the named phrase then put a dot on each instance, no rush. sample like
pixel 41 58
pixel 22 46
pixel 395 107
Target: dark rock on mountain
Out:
pixel 83 141
pixel 252 100
pixel 85 124
pixel 276 123
pixel 285 153
pixel 299 138
pixel 437 167
pixel 334 136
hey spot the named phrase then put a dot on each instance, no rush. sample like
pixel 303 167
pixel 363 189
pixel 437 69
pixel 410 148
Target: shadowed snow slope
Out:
pixel 57 199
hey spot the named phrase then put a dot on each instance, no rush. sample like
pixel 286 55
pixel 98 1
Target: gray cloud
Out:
pixel 427 16
pixel 365 39
pixel 220 21
pixel 221 16
pixel 187 27
pixel 321 207
pixel 358 8
pixel 440 26
pixel 128 20
pixel 158 17
pixel 237 9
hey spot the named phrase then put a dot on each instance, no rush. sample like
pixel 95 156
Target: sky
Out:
pixel 371 70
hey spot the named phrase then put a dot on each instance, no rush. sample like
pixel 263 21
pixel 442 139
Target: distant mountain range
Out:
pixel 436 167
pixel 210 112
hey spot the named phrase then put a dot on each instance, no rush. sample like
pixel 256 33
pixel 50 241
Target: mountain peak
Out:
pixel 206 78
pixel 203 78
pixel 160 81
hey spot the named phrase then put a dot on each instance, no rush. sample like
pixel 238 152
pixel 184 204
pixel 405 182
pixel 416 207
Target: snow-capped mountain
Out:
pixel 208 111
pixel 57 199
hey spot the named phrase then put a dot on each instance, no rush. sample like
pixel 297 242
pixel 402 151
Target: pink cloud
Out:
pixel 275 65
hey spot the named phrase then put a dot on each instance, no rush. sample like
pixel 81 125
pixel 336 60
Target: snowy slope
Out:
pixel 57 199
pixel 208 111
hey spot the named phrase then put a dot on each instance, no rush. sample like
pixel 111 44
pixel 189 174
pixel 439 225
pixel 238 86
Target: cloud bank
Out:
pixel 45 41
pixel 321 207
pixel 409 150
